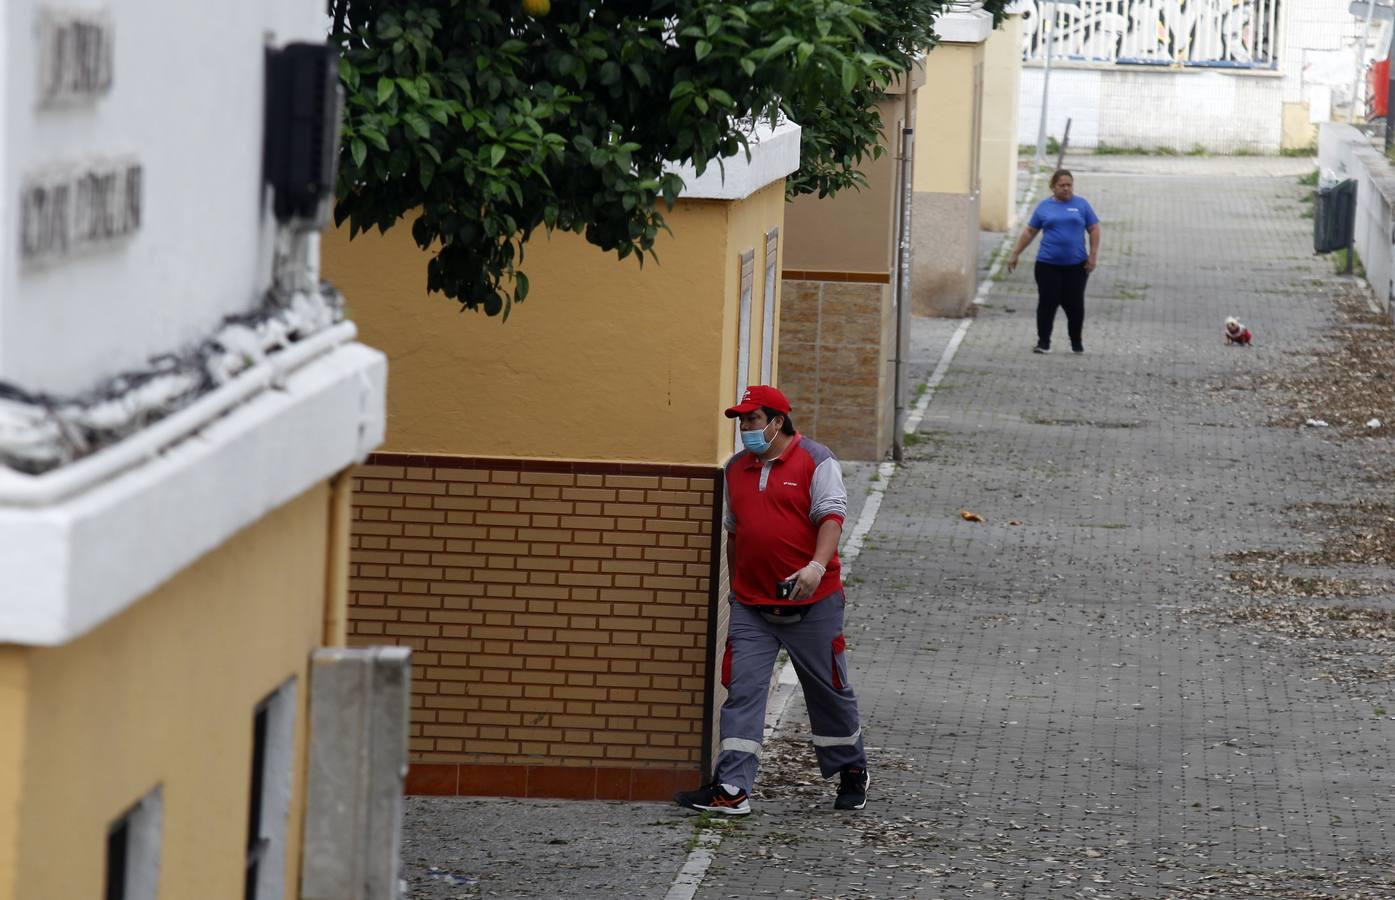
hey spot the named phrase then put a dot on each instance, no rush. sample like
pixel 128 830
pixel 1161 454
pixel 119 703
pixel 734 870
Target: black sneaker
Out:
pixel 714 798
pixel 852 788
pixel 1041 348
pixel 1078 348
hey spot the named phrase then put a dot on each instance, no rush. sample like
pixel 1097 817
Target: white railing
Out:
pixel 1220 33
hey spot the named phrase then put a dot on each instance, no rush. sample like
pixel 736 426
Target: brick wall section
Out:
pixel 834 363
pixel 558 617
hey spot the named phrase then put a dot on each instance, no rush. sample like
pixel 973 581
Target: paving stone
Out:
pixel 464 847
pixel 1044 720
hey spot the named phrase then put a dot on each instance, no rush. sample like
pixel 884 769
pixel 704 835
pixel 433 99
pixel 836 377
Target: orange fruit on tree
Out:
pixel 537 8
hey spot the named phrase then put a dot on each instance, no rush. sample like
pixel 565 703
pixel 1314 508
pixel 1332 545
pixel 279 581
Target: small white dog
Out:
pixel 1237 333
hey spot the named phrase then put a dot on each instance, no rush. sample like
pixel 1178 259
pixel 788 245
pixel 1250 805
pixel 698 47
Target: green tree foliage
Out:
pixel 487 123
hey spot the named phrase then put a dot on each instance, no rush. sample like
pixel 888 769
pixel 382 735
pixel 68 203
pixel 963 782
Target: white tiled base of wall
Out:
pixel 1178 110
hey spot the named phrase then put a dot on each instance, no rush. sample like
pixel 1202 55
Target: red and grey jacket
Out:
pixel 774 510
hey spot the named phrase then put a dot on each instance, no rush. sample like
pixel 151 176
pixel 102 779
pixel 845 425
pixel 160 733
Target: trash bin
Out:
pixel 1334 219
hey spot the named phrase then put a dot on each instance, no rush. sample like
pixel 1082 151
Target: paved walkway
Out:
pixel 1053 712
pixel 1049 717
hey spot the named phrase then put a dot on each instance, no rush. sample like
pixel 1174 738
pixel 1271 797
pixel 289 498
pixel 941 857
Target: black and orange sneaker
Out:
pixel 852 788
pixel 715 798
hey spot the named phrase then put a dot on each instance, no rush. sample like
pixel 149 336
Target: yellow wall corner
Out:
pixel 14 701
pixel 164 694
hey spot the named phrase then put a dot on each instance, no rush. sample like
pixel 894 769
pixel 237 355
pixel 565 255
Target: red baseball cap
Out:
pixel 758 395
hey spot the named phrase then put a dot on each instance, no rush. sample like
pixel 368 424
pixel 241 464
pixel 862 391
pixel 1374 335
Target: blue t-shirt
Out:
pixel 1062 227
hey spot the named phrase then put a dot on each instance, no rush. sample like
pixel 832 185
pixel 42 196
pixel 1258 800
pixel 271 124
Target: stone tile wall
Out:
pixel 835 361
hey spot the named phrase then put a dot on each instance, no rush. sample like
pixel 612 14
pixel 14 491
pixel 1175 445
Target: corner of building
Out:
pixel 949 166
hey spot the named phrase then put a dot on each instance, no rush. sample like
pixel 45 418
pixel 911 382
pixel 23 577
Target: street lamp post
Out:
pixel 1360 61
pixel 1049 26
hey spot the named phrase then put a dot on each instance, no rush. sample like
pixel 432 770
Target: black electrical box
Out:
pixel 303 107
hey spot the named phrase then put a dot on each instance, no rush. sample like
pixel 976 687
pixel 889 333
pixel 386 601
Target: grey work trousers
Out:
pixel 816 649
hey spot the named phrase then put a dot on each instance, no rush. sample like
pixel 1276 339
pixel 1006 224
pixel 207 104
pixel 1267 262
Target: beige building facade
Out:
pixel 165 695
pixel 838 323
pixel 949 166
pixel 1002 75
pixel 542 525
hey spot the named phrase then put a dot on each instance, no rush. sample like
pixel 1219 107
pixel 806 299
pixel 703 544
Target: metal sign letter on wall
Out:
pixel 63 213
pixel 90 204
pixel 76 57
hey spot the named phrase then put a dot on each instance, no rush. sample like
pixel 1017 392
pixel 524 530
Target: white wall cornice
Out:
pixel 774 155
pixel 966 27
pixel 72 564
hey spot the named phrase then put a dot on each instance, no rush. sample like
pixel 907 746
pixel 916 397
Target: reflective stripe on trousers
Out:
pixel 815 647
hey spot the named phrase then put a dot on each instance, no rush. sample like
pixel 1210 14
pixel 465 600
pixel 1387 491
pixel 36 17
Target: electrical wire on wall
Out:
pixel 40 432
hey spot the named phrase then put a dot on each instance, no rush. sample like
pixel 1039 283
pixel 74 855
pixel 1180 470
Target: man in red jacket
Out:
pixel 785 504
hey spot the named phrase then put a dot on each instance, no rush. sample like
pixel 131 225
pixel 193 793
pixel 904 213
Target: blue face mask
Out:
pixel 755 441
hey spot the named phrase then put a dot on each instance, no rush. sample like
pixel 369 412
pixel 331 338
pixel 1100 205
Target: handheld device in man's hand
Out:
pixel 785 589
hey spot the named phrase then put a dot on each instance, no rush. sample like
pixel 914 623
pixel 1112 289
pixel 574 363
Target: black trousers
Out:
pixel 1064 287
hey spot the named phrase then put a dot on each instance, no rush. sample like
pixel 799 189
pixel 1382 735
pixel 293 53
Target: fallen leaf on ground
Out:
pixel 970 516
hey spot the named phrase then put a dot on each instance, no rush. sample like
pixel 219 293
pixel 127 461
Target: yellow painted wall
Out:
pixel 604 361
pixel 1298 130
pixel 1002 67
pixel 947 143
pixel 853 231
pixel 747 224
pixel 14 678
pixel 165 694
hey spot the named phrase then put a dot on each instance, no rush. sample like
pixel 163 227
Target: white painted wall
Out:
pixel 187 103
pixel 1319 52
pixel 1075 95
pixel 81 542
pixel 1345 152
pixel 1221 110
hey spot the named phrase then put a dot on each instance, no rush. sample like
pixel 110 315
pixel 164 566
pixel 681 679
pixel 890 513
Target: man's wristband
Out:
pixel 819 566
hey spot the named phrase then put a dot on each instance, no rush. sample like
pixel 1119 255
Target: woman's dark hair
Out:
pixel 1059 174
pixel 787 427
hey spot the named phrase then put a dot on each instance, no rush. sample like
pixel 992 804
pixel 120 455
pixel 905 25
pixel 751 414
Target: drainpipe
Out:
pixel 1049 24
pixel 337 560
pixel 903 264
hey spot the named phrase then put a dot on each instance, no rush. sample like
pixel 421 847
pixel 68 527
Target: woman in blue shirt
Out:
pixel 1063 264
